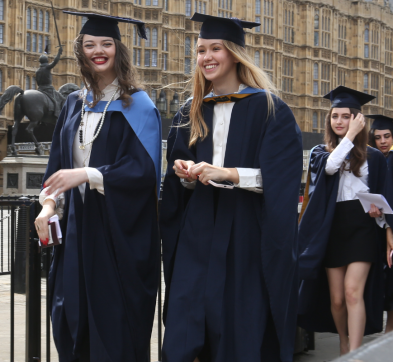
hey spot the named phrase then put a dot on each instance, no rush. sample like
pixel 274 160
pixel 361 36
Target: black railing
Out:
pixel 28 265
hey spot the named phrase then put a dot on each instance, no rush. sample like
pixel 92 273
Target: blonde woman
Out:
pixel 229 210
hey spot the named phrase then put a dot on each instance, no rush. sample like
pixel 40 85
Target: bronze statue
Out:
pixel 42 105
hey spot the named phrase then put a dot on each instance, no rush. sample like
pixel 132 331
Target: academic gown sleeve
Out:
pixel 315 224
pixel 176 196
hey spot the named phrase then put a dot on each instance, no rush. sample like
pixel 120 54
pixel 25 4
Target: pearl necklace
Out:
pixel 100 123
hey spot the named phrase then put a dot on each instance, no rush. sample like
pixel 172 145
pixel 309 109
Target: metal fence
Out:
pixel 28 266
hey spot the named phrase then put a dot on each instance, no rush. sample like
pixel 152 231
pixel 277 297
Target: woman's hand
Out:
pixel 41 222
pixel 389 245
pixel 207 172
pixel 65 180
pixel 374 211
pixel 182 169
pixel 356 124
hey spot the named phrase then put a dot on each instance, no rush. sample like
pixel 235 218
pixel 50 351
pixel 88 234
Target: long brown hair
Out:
pixel 125 72
pixel 358 153
pixel 248 73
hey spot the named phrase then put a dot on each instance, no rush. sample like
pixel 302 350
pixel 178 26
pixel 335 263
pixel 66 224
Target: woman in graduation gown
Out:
pixel 340 245
pixel 103 176
pixel 381 134
pixel 230 254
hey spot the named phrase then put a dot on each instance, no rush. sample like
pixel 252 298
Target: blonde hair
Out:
pixel 249 75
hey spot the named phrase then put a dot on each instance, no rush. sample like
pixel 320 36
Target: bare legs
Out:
pixel 346 285
pixel 389 322
pixel 336 278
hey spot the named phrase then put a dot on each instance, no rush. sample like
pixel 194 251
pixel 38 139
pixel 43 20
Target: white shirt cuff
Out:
pixel 59 201
pixel 250 179
pixel 188 185
pixel 337 157
pixel 96 179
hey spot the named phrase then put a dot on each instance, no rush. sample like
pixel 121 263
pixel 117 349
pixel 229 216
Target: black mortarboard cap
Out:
pixel 381 121
pixel 106 25
pixel 215 27
pixel 344 97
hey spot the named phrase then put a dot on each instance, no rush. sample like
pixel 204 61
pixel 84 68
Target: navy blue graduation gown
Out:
pixel 389 218
pixel 231 254
pixel 314 298
pixel 104 277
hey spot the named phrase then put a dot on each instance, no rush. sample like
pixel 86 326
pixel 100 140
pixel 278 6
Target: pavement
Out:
pixel 327 347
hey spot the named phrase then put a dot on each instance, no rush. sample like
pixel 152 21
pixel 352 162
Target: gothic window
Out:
pixel 28 18
pixel 147 58
pixel 257 59
pixel 287 82
pixel 258 28
pixel 341 77
pixel 389 49
pixel 267 60
pixel 148 2
pixel 316 78
pixel 84 20
pixel 187 47
pixel 40 50
pixel 365 82
pixel 388 93
pixel 34 19
pixel 166 5
pixel 316 28
pixel 268 17
pixel 366 40
pixel 325 28
pixel 1 33
pixel 342 37
pixel 155 2
pixel 165 62
pixel 47 44
pixel 165 42
pixel 154 38
pixel 375 42
pixel 33 83
pixel 1 9
pixel 188 7
pixel 325 79
pixel 27 85
pixel 289 29
pixel 154 96
pixel 258 7
pixel 147 40
pixel 41 21
pixel 224 8
pixel 187 65
pixel 315 122
pixel 28 42
pixel 47 21
pixel 374 87
pixel 154 58
pixel 34 47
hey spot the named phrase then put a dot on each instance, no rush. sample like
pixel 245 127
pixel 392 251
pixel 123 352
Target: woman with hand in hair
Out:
pixel 340 245
pixel 103 178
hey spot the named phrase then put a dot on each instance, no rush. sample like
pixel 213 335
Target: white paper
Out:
pixel 378 200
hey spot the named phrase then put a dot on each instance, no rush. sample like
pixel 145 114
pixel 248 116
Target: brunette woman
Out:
pixel 340 261
pixel 228 217
pixel 103 177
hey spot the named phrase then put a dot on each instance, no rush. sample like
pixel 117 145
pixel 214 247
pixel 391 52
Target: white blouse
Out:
pixel 82 157
pixel 249 178
pixel 349 184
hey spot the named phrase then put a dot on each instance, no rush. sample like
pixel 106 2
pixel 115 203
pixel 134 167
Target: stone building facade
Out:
pixel 307 47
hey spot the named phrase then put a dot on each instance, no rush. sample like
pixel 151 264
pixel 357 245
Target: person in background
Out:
pixel 340 262
pixel 229 210
pixel 103 179
pixel 381 137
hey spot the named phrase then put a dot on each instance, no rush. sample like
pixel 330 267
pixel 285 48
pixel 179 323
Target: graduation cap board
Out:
pixel 381 122
pixel 344 97
pixel 215 27
pixel 106 25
